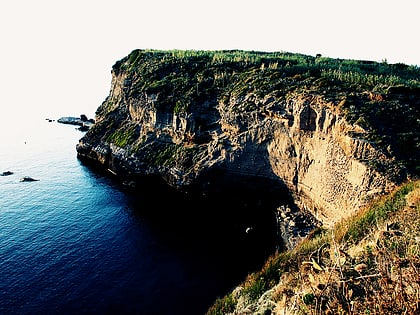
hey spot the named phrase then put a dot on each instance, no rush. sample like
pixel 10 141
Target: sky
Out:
pixel 56 56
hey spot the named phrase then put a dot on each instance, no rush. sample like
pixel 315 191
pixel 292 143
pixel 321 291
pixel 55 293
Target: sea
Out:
pixel 77 241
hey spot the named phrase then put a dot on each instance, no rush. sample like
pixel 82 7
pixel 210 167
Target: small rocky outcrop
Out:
pixel 293 225
pixel 6 173
pixel 28 179
pixel 84 123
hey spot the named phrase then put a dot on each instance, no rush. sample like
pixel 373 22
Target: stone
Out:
pixel 28 179
pixel 84 123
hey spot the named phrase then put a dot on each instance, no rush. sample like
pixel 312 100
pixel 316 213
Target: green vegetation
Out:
pixel 382 98
pixel 124 136
pixel 367 264
pixel 359 225
pixel 183 70
pixel 169 154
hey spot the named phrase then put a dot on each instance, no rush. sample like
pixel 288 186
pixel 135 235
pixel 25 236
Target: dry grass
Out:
pixel 377 274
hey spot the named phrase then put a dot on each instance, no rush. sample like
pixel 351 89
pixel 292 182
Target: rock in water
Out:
pixel 28 179
pixel 83 122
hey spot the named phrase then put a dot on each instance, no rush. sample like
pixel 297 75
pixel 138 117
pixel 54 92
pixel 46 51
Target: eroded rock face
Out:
pixel 298 141
pixel 318 160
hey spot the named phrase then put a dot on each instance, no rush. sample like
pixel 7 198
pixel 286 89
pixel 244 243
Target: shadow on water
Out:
pixel 220 234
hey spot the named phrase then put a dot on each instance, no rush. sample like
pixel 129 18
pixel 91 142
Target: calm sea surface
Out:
pixel 76 242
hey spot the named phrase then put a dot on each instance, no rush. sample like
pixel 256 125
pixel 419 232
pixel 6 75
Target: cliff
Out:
pixel 329 134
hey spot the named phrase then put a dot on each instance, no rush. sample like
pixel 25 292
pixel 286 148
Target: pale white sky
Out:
pixel 56 56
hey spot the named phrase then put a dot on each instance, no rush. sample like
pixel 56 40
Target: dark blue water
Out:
pixel 76 242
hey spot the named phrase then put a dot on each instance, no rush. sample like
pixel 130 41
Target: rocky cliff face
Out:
pixel 289 137
pixel 321 163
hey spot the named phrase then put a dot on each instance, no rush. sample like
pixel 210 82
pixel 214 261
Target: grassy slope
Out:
pixel 368 264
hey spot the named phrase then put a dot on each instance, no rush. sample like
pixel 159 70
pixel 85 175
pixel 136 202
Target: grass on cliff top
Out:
pixel 181 77
pixel 367 264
